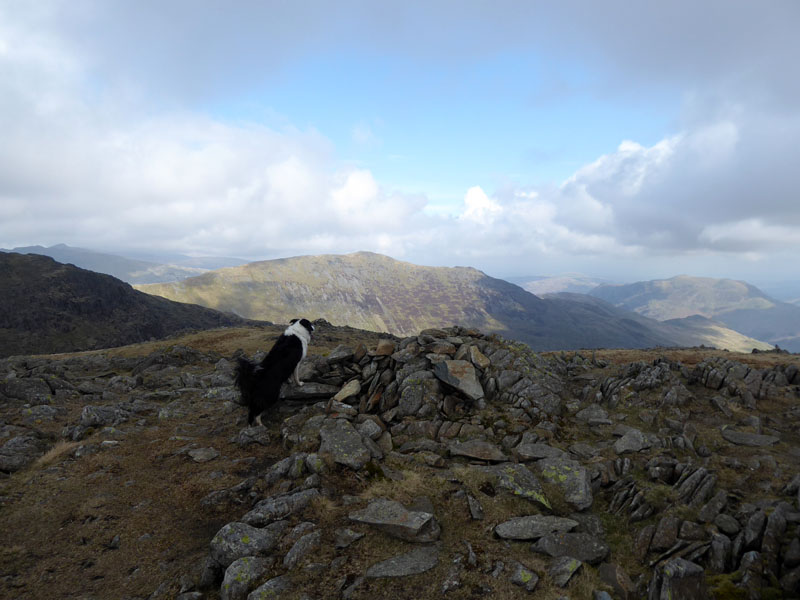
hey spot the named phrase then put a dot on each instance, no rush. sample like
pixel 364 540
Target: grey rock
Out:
pixel 99 416
pixel 615 576
pixel 719 556
pixel 666 533
pixel 340 354
pixel 754 530
pixel 562 568
pixel 741 438
pixel 524 577
pixel 713 507
pixel 791 558
pixel 591 413
pixel 273 589
pixel 538 451
pixel 520 481
pixel 279 507
pixel 461 375
pixel 582 546
pixel 301 548
pixel 20 451
pixel 475 508
pixel 350 389
pixel 477 449
pixel 572 477
pixel 396 520
pixel 237 540
pixel 240 576
pixel 678 578
pixel 201 455
pixel 310 390
pixel 727 524
pixel 533 527
pixel 343 443
pixel 633 441
pixel 414 562
pixel 346 537
pixel 253 435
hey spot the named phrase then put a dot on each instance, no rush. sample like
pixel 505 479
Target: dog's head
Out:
pixel 304 322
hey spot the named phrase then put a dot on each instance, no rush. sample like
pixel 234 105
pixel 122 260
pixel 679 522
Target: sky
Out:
pixel 621 140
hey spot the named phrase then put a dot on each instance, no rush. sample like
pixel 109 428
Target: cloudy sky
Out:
pixel 624 140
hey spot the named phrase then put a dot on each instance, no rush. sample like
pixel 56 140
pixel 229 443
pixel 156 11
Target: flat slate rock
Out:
pixel 414 562
pixel 396 520
pixel 343 443
pixel 461 375
pixel 520 481
pixel 538 451
pixel 310 390
pixel 741 438
pixel 532 527
pixel 562 568
pixel 478 449
pixel 582 546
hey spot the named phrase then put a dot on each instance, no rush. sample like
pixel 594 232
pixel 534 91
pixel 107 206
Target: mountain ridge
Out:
pixel 378 293
pixel 736 304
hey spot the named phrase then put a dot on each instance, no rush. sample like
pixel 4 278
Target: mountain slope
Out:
pixel 377 293
pixel 48 307
pixel 127 269
pixel 736 304
pixel 690 331
pixel 573 284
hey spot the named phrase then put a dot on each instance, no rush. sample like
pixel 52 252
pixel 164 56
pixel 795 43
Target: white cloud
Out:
pixel 479 208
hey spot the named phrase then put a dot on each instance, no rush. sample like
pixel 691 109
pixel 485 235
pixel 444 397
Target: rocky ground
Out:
pixel 445 463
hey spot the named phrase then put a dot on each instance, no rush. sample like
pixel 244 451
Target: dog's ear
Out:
pixel 293 321
pixel 307 324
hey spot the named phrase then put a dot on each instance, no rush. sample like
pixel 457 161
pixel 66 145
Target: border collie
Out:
pixel 260 383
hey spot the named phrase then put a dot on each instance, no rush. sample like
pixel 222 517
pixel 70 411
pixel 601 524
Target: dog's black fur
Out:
pixel 260 383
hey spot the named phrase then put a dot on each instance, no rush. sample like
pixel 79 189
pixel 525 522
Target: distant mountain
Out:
pixel 48 307
pixel 555 284
pixel 736 304
pixel 377 293
pixel 131 270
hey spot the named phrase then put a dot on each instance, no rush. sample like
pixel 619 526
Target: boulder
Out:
pixel 477 449
pixel 343 443
pixel 237 540
pixel 398 521
pixel 414 562
pixel 572 477
pixel 240 576
pixel 532 527
pixel 678 578
pixel 741 438
pixel 460 375
pixel 582 546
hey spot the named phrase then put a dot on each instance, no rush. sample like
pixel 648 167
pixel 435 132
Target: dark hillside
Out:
pixel 48 307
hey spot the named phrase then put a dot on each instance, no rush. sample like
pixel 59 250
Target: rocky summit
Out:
pixel 446 463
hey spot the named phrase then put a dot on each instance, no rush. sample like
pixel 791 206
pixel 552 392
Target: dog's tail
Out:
pixel 243 378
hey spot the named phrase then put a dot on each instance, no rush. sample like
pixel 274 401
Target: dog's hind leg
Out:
pixel 296 376
pixel 258 420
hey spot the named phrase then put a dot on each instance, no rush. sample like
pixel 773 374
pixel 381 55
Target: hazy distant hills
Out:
pixel 48 307
pixel 128 269
pixel 735 304
pixel 573 284
pixel 378 293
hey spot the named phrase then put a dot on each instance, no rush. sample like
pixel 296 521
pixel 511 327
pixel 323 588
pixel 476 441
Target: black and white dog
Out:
pixel 260 383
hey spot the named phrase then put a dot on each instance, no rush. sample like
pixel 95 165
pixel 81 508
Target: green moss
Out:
pixel 723 587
